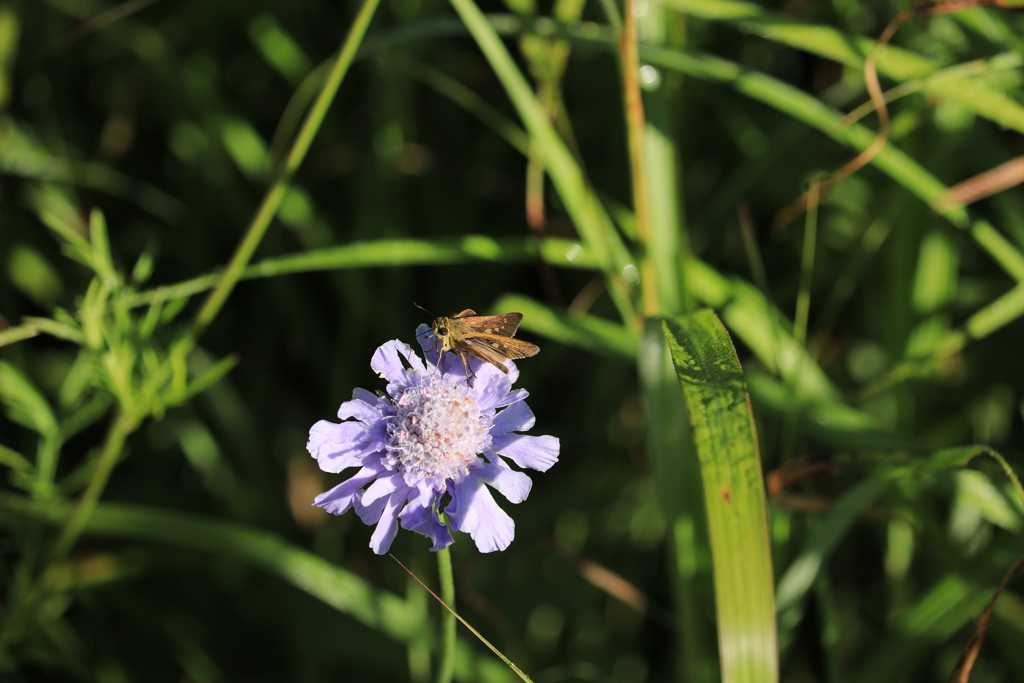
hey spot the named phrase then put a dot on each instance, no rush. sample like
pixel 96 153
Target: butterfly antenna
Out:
pixel 423 309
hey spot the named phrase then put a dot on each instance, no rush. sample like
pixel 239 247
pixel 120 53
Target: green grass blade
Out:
pixel 962 83
pixel 464 96
pixel 583 206
pixel 824 41
pixel 826 420
pixel 390 254
pixel 666 232
pixel 811 111
pixel 734 495
pixel 759 86
pixel 336 587
pixel 796 582
pixel 278 189
pixel 761 327
pixel 1005 252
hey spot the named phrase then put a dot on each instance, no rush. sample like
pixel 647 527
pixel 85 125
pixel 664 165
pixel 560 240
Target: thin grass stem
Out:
pixel 629 62
pixel 803 302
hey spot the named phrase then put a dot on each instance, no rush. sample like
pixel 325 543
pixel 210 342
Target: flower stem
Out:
pixel 446 668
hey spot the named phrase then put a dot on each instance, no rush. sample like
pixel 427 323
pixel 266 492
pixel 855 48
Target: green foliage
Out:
pixel 725 439
pixel 208 224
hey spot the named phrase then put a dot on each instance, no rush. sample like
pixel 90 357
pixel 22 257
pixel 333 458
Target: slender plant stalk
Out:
pixel 802 313
pixel 629 59
pixel 446 666
pixel 122 426
pixel 279 187
pixel 803 302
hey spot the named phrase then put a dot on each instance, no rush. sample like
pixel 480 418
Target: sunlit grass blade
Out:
pixel 986 321
pixel 278 189
pixel 336 587
pixel 652 158
pixel 734 495
pixel 1005 252
pixel 392 253
pixel 32 326
pixel 811 111
pixel 822 40
pixel 21 157
pixel 463 96
pixel 771 91
pixel 763 328
pixel 583 206
pixel 827 420
pixel 962 83
pixel 798 578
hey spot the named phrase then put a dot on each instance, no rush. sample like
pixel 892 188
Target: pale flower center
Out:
pixel 436 433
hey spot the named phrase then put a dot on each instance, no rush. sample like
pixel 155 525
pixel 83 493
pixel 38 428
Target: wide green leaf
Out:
pixel 734 494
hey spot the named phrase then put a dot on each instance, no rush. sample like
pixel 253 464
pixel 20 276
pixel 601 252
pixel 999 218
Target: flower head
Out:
pixel 434 443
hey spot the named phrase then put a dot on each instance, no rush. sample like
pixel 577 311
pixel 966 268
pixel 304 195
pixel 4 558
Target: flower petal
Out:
pixel 516 418
pixel 369 508
pixel 535 452
pixel 513 485
pixel 513 397
pixel 384 486
pixel 339 499
pixel 387 528
pixel 338 446
pixel 490 387
pixel 483 368
pixel 474 511
pixel 420 515
pixel 387 362
pixel 428 342
pixel 363 406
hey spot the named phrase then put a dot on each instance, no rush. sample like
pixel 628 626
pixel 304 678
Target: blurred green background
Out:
pixel 169 116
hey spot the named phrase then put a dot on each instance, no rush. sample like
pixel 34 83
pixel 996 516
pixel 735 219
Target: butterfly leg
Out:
pixel 440 354
pixel 465 364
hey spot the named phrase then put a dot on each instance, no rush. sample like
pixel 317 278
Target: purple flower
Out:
pixel 430 446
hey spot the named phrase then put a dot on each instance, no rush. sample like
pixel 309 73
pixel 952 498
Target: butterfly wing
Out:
pixel 495 349
pixel 504 325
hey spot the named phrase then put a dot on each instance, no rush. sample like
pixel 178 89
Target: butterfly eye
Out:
pixel 443 331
